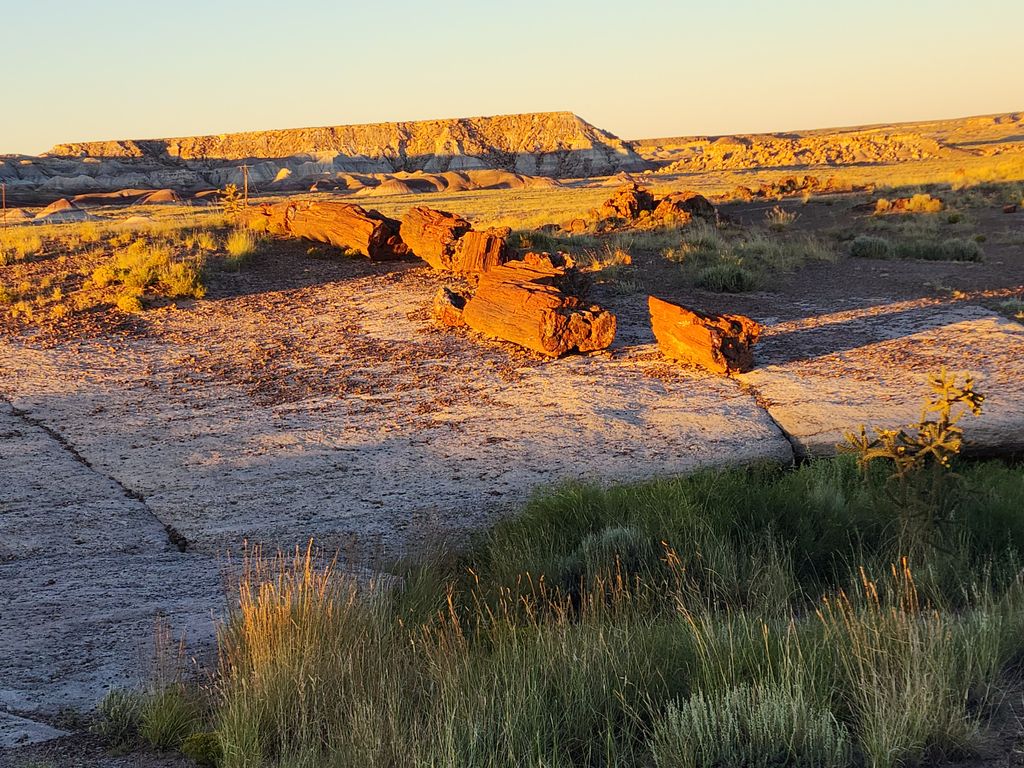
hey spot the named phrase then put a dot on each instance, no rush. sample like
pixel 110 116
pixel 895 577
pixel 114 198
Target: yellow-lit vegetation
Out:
pixel 51 272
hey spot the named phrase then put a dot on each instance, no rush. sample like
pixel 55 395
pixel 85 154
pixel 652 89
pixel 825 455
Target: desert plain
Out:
pixel 297 391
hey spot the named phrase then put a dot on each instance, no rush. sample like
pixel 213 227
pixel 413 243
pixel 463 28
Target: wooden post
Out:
pixel 245 185
pixel 3 195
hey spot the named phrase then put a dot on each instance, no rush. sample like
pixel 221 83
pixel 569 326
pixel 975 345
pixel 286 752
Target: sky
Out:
pixel 78 70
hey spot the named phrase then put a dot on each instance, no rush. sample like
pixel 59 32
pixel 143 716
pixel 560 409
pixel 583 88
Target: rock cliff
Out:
pixel 550 144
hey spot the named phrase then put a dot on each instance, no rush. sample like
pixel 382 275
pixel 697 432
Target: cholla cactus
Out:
pixel 231 200
pixel 937 440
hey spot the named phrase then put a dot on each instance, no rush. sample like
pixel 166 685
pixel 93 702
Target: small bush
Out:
pixel 118 717
pixel 750 726
pixel 868 247
pixel 129 300
pixel 204 749
pixel 726 277
pixel 954 249
pixel 167 717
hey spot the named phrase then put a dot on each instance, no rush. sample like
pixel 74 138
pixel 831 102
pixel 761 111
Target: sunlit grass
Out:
pixel 679 622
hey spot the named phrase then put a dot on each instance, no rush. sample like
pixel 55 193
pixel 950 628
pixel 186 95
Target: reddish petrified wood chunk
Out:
pixel 448 307
pixel 684 205
pixel 433 235
pixel 340 224
pixel 522 302
pixel 479 251
pixel 720 343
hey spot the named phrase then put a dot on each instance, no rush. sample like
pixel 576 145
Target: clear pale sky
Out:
pixel 77 70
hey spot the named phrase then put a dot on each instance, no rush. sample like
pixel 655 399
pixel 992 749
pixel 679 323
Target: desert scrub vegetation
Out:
pixel 148 266
pixel 762 616
pixel 55 272
pixel 737 262
pixel 949 249
pixel 748 617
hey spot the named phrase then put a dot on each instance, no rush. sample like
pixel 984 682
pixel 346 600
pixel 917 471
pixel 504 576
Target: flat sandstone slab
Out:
pixel 87 572
pixel 338 412
pixel 822 376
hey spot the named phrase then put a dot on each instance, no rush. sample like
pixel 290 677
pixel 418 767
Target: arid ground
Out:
pixel 308 394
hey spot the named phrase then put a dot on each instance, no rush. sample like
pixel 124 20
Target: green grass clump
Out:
pixel 167 717
pixel 761 726
pixel 724 618
pixel 953 249
pixel 117 719
pixel 726 277
pixel 870 247
pixel 203 749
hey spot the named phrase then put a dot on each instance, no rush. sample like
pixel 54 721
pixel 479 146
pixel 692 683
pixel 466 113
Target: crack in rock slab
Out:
pixel 87 572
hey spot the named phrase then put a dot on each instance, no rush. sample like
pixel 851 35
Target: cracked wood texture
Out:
pixel 720 343
pixel 343 225
pixel 521 302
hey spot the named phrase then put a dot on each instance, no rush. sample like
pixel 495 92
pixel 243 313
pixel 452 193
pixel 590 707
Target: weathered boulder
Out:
pixel 433 235
pixel 720 343
pixel 447 307
pixel 342 225
pixel 522 302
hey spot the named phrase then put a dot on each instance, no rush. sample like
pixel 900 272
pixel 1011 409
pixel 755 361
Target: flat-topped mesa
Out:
pixel 556 144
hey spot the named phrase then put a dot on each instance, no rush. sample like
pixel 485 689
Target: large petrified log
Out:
pixel 433 235
pixel 522 302
pixel 720 343
pixel 343 225
pixel 449 243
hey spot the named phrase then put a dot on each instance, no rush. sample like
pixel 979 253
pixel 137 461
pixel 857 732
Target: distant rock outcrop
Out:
pixel 517 147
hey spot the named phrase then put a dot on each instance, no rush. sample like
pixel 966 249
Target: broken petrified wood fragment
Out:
pixel 720 343
pixel 522 302
pixel 627 203
pixel 342 225
pixel 447 308
pixel 433 235
pixel 683 206
pixel 479 251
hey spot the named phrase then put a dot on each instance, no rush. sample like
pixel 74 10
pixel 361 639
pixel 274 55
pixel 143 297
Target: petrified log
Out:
pixel 686 203
pixel 627 203
pixel 343 225
pixel 433 235
pixel 479 251
pixel 720 343
pixel 448 307
pixel 521 302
